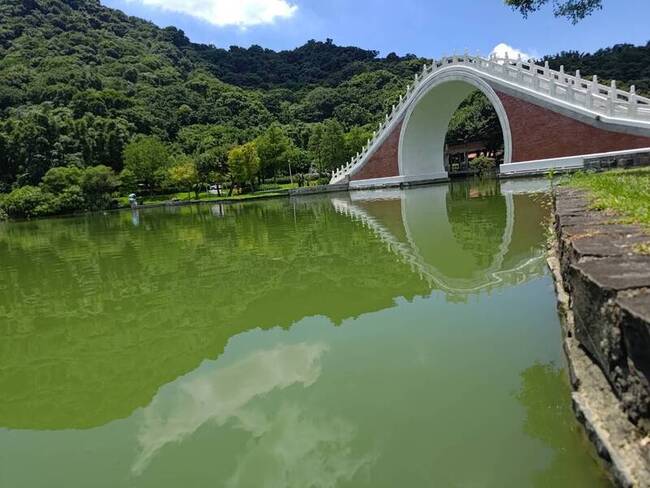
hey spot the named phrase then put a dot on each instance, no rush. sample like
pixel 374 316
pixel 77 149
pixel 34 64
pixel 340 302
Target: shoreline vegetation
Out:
pixel 38 197
pixel 625 192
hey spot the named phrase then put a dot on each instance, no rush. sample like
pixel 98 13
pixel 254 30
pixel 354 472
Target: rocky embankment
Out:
pixel 603 283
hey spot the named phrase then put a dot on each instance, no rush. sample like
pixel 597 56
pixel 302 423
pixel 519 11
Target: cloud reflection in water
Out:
pixel 221 394
pixel 292 446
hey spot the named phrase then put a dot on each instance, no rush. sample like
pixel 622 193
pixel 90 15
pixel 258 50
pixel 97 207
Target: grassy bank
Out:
pixel 626 192
pixel 264 191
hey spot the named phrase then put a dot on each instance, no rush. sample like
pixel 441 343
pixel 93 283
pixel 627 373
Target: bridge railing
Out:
pixel 589 94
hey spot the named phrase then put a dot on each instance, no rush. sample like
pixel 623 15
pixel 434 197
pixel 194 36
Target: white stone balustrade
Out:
pixel 609 100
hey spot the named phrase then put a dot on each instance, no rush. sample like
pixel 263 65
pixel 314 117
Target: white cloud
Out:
pixel 501 49
pixel 241 13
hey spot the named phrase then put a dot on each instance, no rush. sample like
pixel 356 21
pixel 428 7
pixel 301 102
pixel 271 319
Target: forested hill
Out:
pixel 78 80
pixel 320 63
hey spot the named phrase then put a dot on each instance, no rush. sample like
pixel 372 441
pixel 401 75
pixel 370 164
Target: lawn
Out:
pixel 265 190
pixel 624 191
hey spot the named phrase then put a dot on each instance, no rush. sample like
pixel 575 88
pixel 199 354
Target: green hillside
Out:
pixel 79 80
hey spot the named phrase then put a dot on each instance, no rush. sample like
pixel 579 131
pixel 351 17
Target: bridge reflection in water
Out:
pixel 199 345
pixel 461 238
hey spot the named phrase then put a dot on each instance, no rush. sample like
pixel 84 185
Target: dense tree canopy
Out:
pixel 78 81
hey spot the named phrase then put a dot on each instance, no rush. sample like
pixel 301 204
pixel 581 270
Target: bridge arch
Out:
pixel 550 120
pixel 422 136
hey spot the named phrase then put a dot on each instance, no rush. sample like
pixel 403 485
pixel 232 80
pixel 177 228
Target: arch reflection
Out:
pixel 462 238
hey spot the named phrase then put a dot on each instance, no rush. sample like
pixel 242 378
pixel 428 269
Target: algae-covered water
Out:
pixel 374 339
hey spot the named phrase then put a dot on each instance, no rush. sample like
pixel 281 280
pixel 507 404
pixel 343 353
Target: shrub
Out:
pixel 98 184
pixel 483 164
pixel 128 181
pixel 3 214
pixel 284 180
pixel 58 179
pixel 323 180
pixel 71 199
pixel 28 202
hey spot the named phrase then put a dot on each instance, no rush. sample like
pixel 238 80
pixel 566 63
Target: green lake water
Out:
pixel 395 338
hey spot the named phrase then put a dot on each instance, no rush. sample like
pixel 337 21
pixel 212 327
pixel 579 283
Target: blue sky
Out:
pixel 429 28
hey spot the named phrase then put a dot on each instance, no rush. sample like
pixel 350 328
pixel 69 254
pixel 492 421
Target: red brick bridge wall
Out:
pixel 537 133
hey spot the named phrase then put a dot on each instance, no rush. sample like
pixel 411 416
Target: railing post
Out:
pixel 632 101
pixel 562 77
pixel 490 62
pixel 552 86
pixel 591 89
pixel 546 69
pixel 535 79
pixel 570 95
pixel 613 97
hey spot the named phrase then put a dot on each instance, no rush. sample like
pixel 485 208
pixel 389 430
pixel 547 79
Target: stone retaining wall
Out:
pixel 605 281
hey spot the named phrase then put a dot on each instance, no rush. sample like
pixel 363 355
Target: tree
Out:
pixel 58 179
pixel 244 165
pixel 211 166
pixel 199 138
pixel 185 175
pixel 327 145
pixel 355 139
pixel 298 161
pixel 574 10
pixel 332 146
pixel 145 157
pixel 98 184
pixel 272 147
pixel 128 182
pixel 315 146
